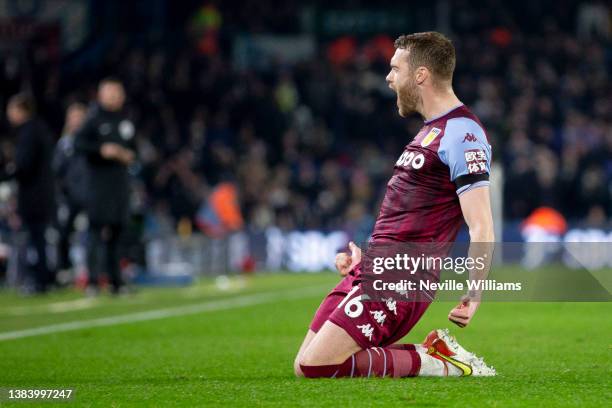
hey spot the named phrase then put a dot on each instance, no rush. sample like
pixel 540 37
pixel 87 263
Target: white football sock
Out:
pixel 420 348
pixel 432 367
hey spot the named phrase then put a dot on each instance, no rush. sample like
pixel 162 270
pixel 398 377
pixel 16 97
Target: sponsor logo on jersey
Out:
pixel 476 161
pixel 430 137
pixel 469 137
pixel 409 158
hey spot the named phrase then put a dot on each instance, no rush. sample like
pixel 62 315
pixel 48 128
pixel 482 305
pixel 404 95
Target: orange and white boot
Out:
pixel 441 345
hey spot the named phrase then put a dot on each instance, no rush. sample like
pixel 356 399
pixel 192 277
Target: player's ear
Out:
pixel 420 75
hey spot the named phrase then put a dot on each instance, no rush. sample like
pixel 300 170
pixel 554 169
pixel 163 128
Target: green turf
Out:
pixel 547 354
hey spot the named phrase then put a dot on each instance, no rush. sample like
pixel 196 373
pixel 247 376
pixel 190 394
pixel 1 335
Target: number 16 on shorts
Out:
pixel 352 308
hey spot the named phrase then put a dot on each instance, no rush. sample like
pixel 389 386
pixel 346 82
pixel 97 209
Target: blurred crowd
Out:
pixel 312 144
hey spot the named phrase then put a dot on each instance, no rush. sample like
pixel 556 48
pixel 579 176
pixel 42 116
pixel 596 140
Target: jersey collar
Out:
pixel 443 114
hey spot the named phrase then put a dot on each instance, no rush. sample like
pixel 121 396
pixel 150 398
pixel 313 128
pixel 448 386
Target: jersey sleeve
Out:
pixel 465 150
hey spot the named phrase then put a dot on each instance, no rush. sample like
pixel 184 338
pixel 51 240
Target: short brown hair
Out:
pixel 430 49
pixel 110 80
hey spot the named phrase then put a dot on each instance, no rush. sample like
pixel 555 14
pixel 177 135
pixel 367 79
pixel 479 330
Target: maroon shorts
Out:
pixel 369 323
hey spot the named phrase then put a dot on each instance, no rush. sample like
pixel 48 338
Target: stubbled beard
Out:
pixel 408 100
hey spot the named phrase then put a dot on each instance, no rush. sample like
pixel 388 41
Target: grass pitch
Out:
pixel 235 347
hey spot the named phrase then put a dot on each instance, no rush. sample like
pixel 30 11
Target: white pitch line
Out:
pixel 212 306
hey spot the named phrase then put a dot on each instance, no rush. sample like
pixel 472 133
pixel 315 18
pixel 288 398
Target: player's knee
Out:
pixel 297 370
pixel 306 359
pixel 312 359
pixel 316 365
pixel 319 357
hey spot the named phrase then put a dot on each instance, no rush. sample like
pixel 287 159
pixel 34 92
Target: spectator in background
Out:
pixel 594 19
pixel 293 134
pixel 32 170
pixel 107 141
pixel 70 169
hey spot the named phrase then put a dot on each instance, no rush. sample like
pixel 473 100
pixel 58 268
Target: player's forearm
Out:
pixel 482 232
pixel 481 251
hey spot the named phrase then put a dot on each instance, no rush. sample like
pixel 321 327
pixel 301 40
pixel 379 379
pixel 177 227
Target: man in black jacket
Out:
pixel 32 170
pixel 107 141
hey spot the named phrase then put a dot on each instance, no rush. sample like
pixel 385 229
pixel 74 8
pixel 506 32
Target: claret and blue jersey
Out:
pixel 449 156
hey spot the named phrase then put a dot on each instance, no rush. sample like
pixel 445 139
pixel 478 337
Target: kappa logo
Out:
pixel 379 316
pixel 469 137
pixel 391 305
pixel 431 136
pixel 367 330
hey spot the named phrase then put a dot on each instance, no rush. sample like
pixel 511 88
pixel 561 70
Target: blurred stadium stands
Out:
pixel 288 102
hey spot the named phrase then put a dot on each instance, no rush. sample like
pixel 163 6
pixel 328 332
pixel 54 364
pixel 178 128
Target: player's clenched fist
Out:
pixel 346 262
